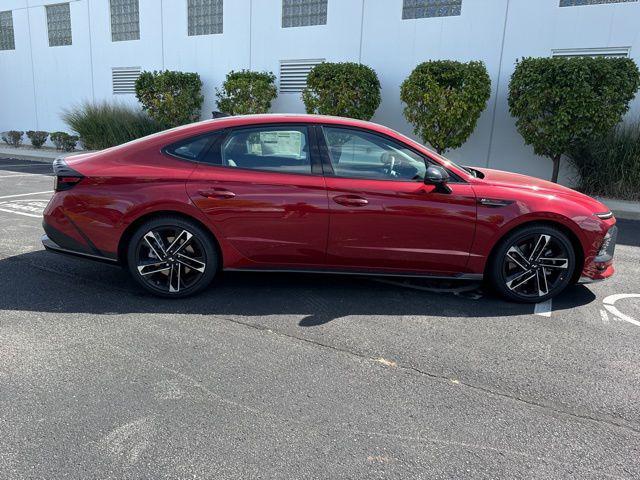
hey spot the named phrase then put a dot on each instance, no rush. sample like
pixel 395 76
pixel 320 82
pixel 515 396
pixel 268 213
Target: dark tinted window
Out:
pixel 358 154
pixel 197 148
pixel 279 149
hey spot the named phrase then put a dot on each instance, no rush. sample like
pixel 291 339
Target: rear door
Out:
pixel 383 216
pixel 262 187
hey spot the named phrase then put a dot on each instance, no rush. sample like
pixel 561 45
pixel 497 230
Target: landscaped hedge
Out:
pixel 342 89
pixel 13 138
pixel 444 100
pixel 246 92
pixel 104 125
pixel 170 98
pixel 609 165
pixel 560 103
pixel 37 138
pixel 63 141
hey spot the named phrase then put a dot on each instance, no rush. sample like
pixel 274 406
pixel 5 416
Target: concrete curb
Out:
pixel 622 208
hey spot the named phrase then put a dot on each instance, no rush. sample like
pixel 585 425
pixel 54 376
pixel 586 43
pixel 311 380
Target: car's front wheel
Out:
pixel 172 257
pixel 532 264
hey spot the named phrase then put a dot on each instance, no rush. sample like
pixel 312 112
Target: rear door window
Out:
pixel 276 149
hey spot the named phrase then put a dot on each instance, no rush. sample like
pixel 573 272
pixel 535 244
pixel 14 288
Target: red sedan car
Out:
pixel 319 194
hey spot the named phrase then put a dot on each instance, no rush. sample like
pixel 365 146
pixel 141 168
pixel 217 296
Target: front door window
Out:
pixel 358 154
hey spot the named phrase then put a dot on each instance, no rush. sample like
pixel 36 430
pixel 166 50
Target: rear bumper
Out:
pixel 54 247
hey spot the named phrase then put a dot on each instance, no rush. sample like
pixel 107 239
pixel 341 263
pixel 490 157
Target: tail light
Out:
pixel 65 176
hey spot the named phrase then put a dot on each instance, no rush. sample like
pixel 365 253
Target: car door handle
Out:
pixel 351 200
pixel 217 193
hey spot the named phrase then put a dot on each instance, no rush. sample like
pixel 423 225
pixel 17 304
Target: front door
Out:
pixel 382 214
pixel 266 196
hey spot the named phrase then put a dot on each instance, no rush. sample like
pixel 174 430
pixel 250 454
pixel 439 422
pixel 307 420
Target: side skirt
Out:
pixel 458 276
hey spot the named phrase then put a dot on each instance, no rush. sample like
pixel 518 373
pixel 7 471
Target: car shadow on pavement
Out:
pixel 44 282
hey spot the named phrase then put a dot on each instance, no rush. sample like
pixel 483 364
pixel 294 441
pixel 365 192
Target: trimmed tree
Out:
pixel 38 138
pixel 246 92
pixel 342 89
pixel 170 98
pixel 562 102
pixel 444 99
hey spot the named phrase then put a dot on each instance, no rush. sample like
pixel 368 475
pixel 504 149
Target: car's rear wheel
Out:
pixel 532 264
pixel 172 257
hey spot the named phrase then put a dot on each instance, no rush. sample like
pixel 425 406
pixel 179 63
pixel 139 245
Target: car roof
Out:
pixel 242 120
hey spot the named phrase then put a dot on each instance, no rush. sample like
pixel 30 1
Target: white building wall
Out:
pixel 38 82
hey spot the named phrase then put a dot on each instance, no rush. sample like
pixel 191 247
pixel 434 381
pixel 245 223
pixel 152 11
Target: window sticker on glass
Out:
pixel 282 143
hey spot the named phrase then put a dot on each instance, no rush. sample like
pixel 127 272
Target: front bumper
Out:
pixel 600 267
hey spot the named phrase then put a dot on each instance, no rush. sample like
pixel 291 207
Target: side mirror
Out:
pixel 438 176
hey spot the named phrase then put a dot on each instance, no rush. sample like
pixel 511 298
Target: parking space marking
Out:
pixel 21 213
pixel 25 194
pixel 543 309
pixel 28 208
pixel 611 299
pixel 24 175
pixel 2 165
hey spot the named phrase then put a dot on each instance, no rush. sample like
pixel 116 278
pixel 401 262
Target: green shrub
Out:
pixel 610 165
pixel 12 138
pixel 38 138
pixel 247 92
pixel 64 141
pixel 342 89
pixel 104 125
pixel 170 98
pixel 561 102
pixel 444 100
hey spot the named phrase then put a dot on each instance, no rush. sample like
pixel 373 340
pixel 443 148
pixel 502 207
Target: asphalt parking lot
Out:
pixel 302 376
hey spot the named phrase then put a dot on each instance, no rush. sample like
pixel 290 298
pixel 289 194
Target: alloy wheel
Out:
pixel 170 259
pixel 535 265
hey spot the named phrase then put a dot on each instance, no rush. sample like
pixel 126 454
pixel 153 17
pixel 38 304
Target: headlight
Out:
pixel 604 215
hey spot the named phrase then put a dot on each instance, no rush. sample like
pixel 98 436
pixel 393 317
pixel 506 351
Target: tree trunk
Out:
pixel 556 168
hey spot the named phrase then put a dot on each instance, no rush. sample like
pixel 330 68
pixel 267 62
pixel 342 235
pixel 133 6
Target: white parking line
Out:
pixel 611 299
pixel 23 175
pixel 20 213
pixel 544 309
pixel 25 194
pixel 2 165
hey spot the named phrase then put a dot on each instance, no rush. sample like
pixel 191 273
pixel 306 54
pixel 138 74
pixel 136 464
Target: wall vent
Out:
pixel 293 74
pixel 124 80
pixel 620 52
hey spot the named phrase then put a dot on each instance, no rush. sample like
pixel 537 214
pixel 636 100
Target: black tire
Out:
pixel 532 264
pixel 172 257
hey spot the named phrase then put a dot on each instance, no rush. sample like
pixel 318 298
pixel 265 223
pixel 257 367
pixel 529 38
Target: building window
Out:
pixel 7 40
pixel 302 13
pixel 430 8
pixel 125 20
pixel 579 3
pixel 294 73
pixel 205 17
pixel 59 24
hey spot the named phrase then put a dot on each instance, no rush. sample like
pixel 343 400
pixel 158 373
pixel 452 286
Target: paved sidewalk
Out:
pixel 622 208
pixel 45 154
